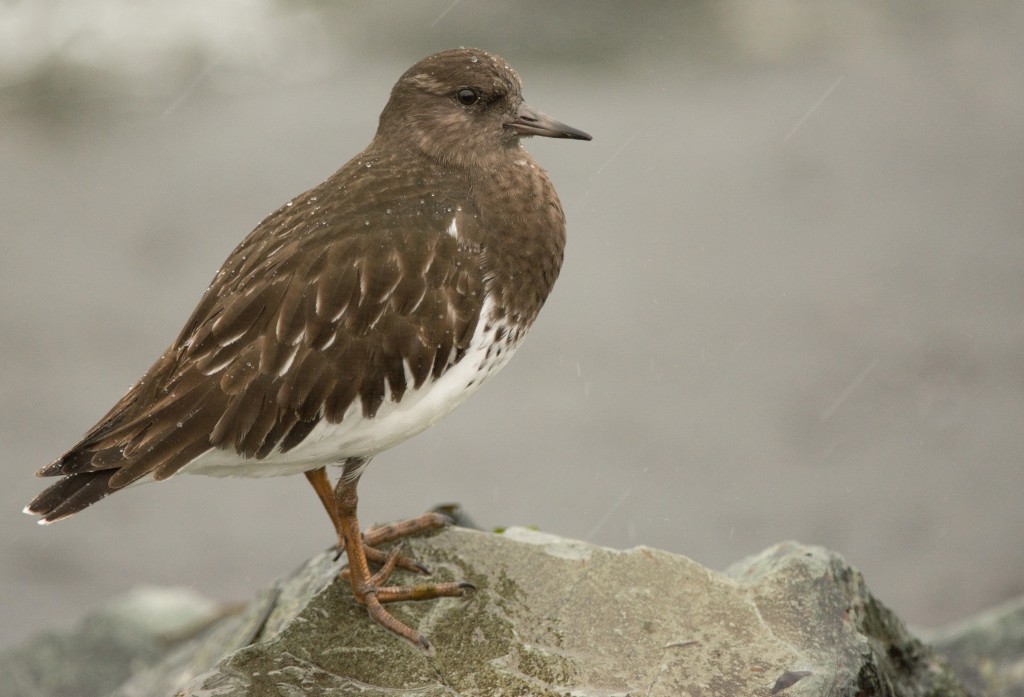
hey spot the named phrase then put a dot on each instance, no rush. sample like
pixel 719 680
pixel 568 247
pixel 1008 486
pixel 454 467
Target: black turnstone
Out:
pixel 353 317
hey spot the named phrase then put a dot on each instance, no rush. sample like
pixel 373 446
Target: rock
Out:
pixel 106 647
pixel 553 616
pixel 987 651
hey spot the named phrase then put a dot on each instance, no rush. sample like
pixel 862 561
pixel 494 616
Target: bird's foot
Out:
pixel 373 596
pixel 371 591
pixel 383 534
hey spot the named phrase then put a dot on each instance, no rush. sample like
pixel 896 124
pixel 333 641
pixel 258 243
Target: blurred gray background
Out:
pixel 792 305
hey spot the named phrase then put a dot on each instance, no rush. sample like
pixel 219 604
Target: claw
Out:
pixel 368 589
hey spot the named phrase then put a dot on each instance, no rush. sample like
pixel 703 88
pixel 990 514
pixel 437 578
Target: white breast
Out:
pixel 492 345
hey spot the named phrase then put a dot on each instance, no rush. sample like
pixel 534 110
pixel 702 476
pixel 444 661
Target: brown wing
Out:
pixel 321 307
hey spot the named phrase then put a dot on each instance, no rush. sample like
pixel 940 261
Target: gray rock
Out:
pixel 106 647
pixel 553 616
pixel 987 651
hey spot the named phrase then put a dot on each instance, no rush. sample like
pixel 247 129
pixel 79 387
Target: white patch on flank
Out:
pixel 358 436
pixel 410 379
pixel 453 228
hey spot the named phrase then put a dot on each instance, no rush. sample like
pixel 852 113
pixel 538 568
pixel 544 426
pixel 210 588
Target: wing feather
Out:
pixel 322 310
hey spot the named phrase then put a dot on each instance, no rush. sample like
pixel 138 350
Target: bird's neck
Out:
pixel 526 241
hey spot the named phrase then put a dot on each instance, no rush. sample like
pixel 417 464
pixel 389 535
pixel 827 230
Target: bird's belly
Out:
pixel 358 436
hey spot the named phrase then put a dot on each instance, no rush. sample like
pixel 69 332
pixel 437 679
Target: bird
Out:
pixel 352 318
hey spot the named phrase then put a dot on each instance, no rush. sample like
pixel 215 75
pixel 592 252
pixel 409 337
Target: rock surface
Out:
pixel 104 649
pixel 987 651
pixel 551 616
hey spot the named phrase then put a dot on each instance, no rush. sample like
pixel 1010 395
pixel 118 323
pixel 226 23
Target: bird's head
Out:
pixel 464 106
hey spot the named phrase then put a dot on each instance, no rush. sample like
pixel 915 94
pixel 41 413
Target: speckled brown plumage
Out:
pixel 361 291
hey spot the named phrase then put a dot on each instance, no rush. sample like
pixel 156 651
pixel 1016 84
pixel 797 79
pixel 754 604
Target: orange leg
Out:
pixel 367 588
pixel 380 534
pixel 325 492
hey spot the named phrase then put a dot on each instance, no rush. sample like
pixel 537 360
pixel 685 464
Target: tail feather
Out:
pixel 76 460
pixel 71 494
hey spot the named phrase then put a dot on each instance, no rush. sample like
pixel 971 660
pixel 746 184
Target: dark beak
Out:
pixel 530 122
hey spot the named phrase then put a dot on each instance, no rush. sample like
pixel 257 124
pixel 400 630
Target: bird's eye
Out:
pixel 467 96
